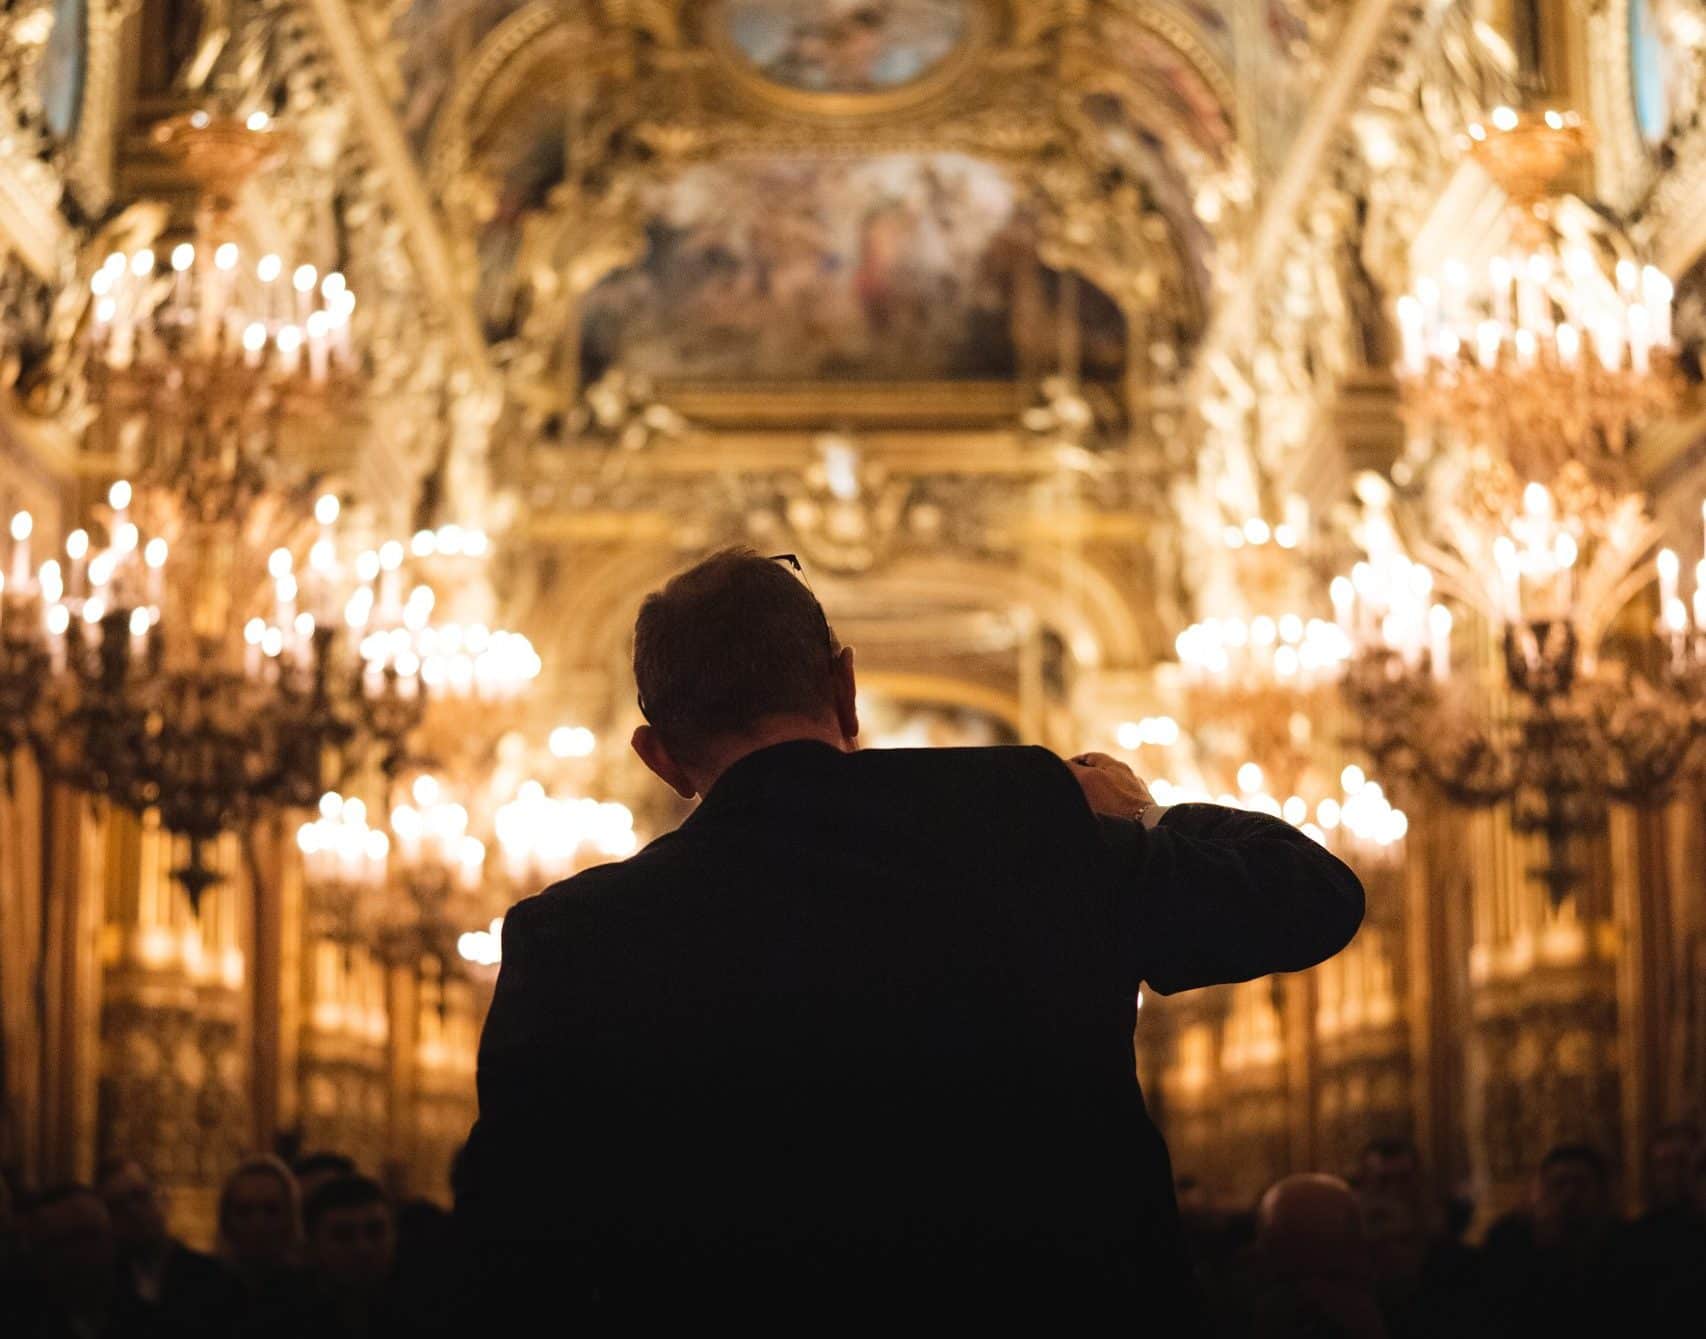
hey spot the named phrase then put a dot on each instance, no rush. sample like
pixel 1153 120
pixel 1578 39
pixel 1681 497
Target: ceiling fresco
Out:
pixel 844 46
pixel 903 267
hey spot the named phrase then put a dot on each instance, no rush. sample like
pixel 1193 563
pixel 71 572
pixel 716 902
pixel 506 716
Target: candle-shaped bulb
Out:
pixel 326 508
pixel 304 279
pixel 279 563
pixel 269 268
pixel 119 495
pixel 1537 502
pixel 225 256
pixel 22 525
pixel 183 256
pixel 154 554
pixel 77 545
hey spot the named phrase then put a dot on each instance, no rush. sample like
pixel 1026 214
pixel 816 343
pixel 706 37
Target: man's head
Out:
pixel 1574 1193
pixel 69 1236
pixel 259 1216
pixel 139 1222
pixel 351 1241
pixel 1390 1167
pixel 1670 1165
pixel 731 656
pixel 313 1170
pixel 1309 1226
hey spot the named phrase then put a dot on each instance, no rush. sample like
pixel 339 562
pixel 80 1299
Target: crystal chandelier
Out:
pixel 182 654
pixel 1555 729
pixel 406 884
pixel 130 677
pixel 1268 672
pixel 545 837
pixel 1560 342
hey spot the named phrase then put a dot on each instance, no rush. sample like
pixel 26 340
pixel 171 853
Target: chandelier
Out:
pixel 203 679
pixel 406 884
pixel 1560 342
pixel 183 652
pixel 544 838
pixel 1267 673
pixel 1555 729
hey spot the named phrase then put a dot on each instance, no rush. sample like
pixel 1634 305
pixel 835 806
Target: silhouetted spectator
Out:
pixel 11 1241
pixel 351 1252
pixel 69 1285
pixel 313 1170
pixel 1427 1280
pixel 181 1291
pixel 260 1239
pixel 1315 1276
pixel 1663 1255
pixel 1551 1268
pixel 426 1262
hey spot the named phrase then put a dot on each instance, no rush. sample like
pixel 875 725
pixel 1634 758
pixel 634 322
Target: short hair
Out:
pixel 312 1164
pixel 262 1164
pixel 350 1191
pixel 56 1194
pixel 730 642
pixel 115 1165
pixel 1390 1146
pixel 1583 1155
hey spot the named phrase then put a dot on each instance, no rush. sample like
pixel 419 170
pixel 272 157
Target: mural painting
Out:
pixel 845 46
pixel 901 267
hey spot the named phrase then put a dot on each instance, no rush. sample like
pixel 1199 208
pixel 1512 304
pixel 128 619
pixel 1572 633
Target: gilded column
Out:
pixel 1438 878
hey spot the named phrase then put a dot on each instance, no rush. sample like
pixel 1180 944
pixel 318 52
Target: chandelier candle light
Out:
pixel 1563 734
pixel 1555 344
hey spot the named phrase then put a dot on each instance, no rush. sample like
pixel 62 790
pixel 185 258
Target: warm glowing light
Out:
pixel 572 741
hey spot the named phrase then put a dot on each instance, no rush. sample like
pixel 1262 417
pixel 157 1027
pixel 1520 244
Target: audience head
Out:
pixel 730 656
pixel 138 1220
pixel 1390 1167
pixel 1574 1191
pixel 351 1240
pixel 1309 1226
pixel 1671 1156
pixel 260 1219
pixel 313 1170
pixel 68 1233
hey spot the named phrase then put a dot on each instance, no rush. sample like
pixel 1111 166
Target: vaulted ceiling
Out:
pixel 610 170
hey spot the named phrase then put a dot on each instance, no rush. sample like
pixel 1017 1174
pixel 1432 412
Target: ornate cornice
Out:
pixel 404 186
pixel 30 221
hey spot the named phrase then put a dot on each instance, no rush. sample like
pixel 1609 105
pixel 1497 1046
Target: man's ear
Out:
pixel 846 694
pixel 656 757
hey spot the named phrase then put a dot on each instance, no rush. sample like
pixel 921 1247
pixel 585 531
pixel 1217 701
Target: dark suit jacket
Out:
pixel 860 1031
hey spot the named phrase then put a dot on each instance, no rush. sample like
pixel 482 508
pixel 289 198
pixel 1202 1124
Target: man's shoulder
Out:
pixel 1004 761
pixel 586 893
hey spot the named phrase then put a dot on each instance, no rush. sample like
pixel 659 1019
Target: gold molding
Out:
pixel 30 226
